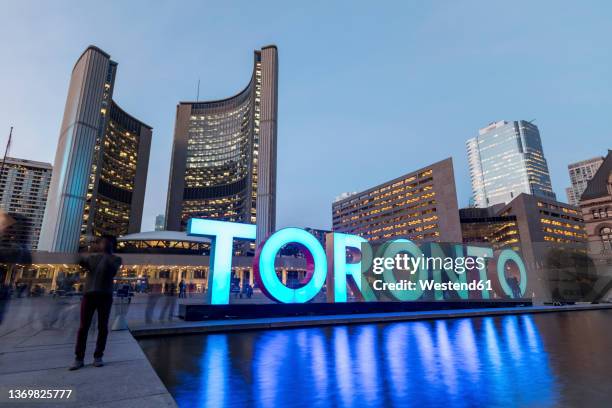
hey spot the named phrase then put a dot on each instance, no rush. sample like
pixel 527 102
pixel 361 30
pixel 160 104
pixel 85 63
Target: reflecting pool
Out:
pixel 553 359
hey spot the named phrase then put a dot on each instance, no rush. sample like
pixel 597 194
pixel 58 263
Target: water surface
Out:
pixel 542 360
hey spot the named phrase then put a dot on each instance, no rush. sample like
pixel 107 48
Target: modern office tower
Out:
pixel 580 173
pixel 224 155
pixel 596 207
pixel 24 185
pixel 420 206
pixel 101 162
pixel 160 222
pixel 506 159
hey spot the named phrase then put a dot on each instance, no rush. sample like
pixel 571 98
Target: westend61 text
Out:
pixel 430 284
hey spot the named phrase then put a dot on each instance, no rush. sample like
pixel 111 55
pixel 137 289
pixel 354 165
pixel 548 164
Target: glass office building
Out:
pixel 505 160
pixel 224 155
pixel 101 163
pixel 580 173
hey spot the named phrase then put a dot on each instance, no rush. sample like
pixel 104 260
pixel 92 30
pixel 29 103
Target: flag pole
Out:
pixel 8 145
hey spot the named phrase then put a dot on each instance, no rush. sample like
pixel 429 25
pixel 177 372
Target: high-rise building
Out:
pixel 507 159
pixel 580 173
pixel 420 206
pixel 224 155
pixel 101 162
pixel 24 185
pixel 160 222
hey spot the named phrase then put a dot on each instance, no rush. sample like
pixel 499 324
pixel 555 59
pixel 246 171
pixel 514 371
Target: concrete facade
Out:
pixel 24 185
pixel 101 162
pixel 548 230
pixel 420 206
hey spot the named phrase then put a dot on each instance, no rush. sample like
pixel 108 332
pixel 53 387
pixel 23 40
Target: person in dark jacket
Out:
pixel 101 266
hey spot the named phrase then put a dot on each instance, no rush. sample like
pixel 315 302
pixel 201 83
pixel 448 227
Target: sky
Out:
pixel 368 91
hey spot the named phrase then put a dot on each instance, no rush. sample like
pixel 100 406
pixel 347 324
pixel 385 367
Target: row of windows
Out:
pixel 602 212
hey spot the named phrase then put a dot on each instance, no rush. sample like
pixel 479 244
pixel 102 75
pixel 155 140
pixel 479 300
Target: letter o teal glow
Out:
pixel 390 249
pixel 265 272
pixel 510 255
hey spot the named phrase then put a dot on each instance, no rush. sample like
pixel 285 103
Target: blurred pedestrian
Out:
pixel 182 288
pixel 101 267
pixel 167 311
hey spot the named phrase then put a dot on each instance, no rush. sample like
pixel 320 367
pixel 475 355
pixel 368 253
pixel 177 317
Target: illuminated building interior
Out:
pixel 163 242
pixel 412 206
pixel 483 226
pixel 101 162
pixel 144 270
pixel 219 147
pixel 115 164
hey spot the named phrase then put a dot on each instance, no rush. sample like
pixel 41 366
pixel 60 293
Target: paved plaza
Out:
pixel 37 337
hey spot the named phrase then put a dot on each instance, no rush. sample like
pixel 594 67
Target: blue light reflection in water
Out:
pixel 458 363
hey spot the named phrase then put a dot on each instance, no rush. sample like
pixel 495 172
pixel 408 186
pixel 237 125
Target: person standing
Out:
pixel 182 287
pixel 101 267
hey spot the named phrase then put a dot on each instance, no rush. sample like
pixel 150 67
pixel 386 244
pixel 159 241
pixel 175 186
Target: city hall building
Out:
pixel 100 169
pixel 224 154
pixel 596 208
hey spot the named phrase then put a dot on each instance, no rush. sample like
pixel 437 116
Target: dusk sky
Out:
pixel 368 91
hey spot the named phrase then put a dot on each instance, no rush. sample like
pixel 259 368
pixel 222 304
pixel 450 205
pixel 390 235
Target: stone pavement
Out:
pixel 37 338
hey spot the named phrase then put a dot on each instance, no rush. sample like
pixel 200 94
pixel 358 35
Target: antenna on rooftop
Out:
pixel 198 92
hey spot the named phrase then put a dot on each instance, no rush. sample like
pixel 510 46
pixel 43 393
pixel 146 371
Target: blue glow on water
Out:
pixel 489 361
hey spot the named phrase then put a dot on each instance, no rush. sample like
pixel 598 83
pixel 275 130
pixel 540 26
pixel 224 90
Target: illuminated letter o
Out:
pixel 316 266
pixel 510 255
pixel 392 248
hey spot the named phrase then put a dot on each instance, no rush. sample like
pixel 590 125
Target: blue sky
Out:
pixel 368 91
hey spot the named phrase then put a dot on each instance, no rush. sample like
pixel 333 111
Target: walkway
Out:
pixel 37 345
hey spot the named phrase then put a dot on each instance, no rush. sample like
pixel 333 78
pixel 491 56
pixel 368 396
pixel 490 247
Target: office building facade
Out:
pixel 550 235
pixel 505 160
pixel 486 226
pixel 224 155
pixel 101 162
pixel 420 206
pixel 24 185
pixel 580 173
